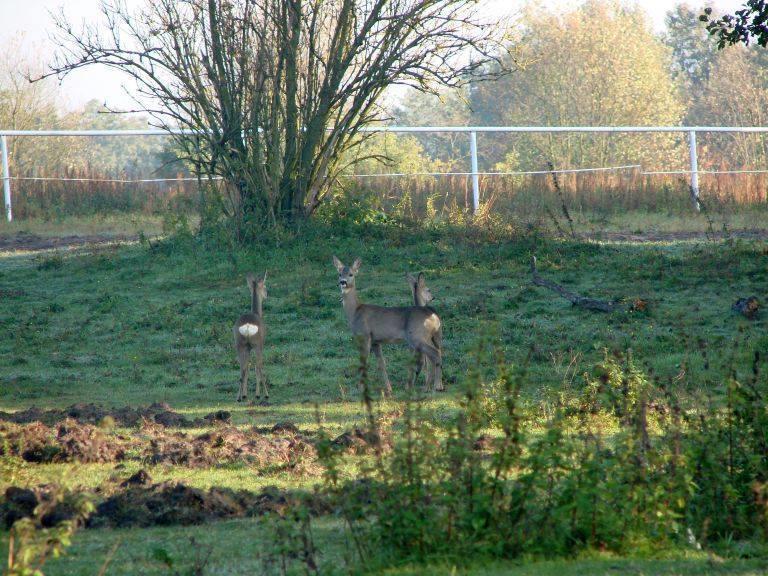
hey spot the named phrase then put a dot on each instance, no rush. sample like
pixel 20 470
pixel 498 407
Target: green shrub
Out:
pixel 620 467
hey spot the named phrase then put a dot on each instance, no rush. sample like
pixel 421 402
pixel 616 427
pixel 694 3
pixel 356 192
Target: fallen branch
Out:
pixel 575 299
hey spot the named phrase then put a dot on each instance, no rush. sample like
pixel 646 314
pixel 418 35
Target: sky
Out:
pixel 31 20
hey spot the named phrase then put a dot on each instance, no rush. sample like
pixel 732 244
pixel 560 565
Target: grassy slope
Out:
pixel 136 325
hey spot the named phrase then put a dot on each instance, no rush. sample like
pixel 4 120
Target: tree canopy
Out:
pixel 276 92
pixel 614 72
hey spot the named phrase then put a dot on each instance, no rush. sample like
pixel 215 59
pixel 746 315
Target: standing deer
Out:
pixel 249 335
pixel 422 296
pixel 374 325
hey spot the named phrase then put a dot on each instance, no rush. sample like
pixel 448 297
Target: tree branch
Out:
pixel 575 299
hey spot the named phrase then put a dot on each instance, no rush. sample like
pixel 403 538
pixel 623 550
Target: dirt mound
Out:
pixel 160 504
pixel 86 443
pixel 166 504
pixel 231 445
pixel 19 503
pixel 158 412
pixel 359 441
pixel 141 478
pixel 70 441
pixel 284 427
pixel 53 505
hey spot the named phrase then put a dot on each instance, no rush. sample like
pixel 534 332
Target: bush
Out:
pixel 622 467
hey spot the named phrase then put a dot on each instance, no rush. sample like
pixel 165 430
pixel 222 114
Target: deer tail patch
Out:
pixel 248 330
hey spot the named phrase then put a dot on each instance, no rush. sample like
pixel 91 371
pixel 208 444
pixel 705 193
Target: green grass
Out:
pixel 238 548
pixel 135 325
pixel 140 324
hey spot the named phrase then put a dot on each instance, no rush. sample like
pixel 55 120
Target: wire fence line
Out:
pixel 474 173
pixel 515 173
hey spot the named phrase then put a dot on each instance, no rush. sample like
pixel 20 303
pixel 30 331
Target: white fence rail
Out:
pixel 475 174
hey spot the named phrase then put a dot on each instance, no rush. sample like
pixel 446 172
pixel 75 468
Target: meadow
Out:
pixel 150 322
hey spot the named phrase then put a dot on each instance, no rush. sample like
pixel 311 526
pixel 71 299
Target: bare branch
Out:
pixel 278 90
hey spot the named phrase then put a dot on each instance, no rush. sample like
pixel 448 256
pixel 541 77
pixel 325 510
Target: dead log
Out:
pixel 575 299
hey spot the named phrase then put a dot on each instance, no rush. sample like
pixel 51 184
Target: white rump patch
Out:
pixel 248 330
pixel 432 322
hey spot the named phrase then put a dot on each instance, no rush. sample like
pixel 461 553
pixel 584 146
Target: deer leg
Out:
pixel 262 381
pixel 437 379
pixel 427 367
pixel 418 366
pixel 435 357
pixel 242 357
pixel 364 346
pixel 382 368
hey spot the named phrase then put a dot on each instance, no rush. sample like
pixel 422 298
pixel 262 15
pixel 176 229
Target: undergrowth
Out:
pixel 499 485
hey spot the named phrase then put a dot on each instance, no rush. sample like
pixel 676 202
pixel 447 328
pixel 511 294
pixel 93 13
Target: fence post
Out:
pixel 694 170
pixel 6 178
pixel 475 176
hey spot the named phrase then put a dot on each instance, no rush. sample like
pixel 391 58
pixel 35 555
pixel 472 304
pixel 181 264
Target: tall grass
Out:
pixel 601 193
pixel 83 192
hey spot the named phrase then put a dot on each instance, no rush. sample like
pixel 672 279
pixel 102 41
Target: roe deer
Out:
pixel 374 325
pixel 249 335
pixel 422 296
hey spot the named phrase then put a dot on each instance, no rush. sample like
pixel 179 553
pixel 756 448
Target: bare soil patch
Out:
pixel 28 242
pixel 640 237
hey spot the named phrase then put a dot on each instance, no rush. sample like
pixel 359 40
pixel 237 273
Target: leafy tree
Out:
pixel 276 91
pixel 446 108
pixel 25 106
pixel 693 50
pixel 130 156
pixel 614 72
pixel 742 26
pixel 737 95
pixel 389 152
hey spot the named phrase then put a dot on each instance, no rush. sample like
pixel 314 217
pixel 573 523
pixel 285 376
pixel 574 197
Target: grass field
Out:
pixel 151 322
pixel 595 221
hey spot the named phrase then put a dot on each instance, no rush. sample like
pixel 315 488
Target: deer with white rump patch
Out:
pixel 249 335
pixel 373 326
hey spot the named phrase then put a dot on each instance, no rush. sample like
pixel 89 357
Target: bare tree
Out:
pixel 275 91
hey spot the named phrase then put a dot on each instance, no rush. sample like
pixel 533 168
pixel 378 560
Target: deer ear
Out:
pixel 411 279
pixel 421 281
pixel 339 265
pixel 264 279
pixel 251 280
pixel 356 265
